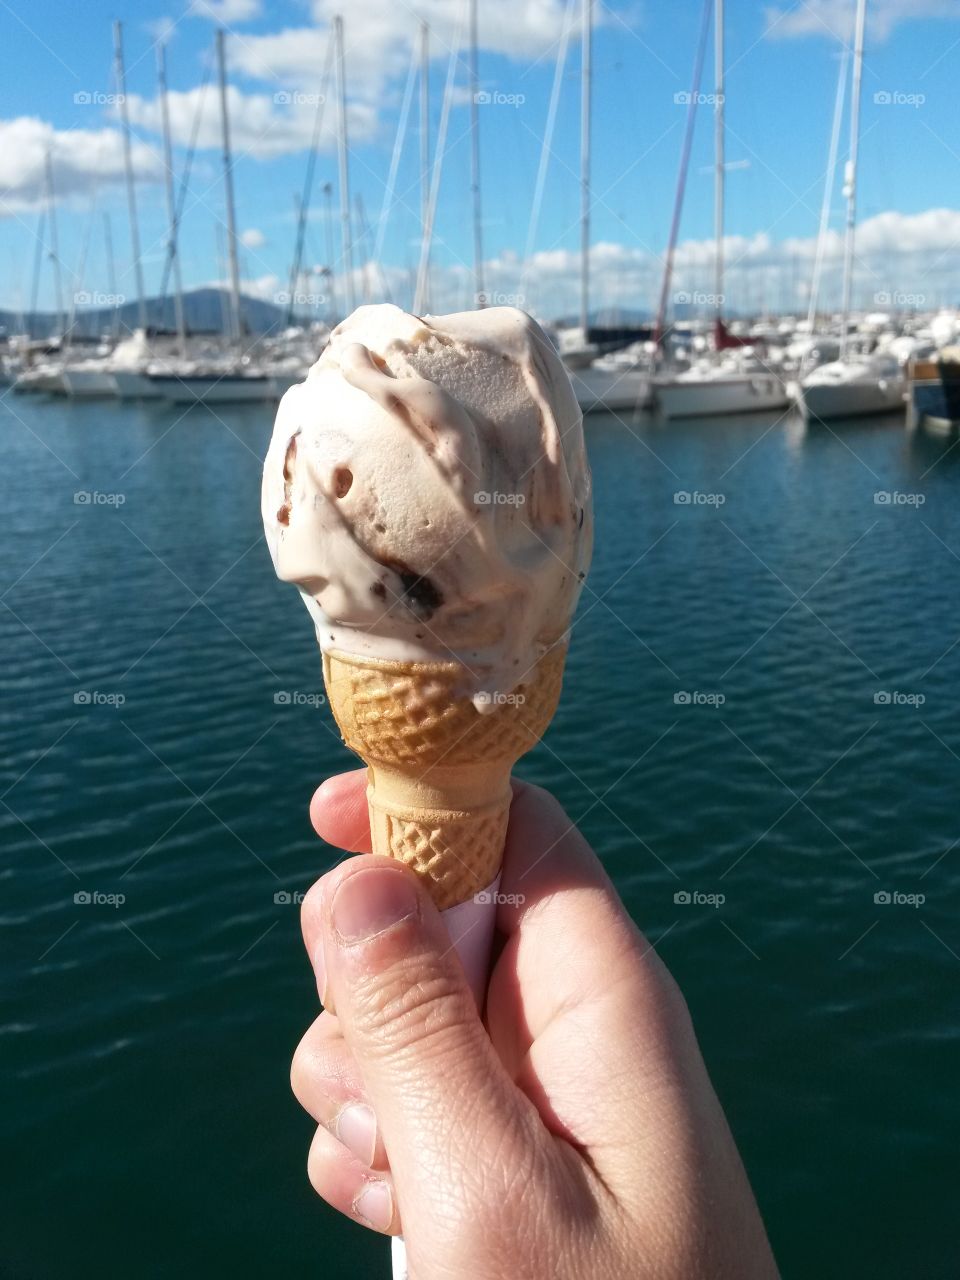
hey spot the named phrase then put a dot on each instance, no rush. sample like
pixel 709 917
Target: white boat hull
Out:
pixel 610 389
pixel 713 397
pixel 213 390
pixel 128 384
pixel 40 382
pixel 822 401
pixel 88 383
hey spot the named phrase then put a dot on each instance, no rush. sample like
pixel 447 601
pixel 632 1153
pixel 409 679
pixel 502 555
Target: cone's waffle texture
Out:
pixel 439 789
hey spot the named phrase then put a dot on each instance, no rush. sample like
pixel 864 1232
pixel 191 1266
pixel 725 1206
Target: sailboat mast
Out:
pixel 342 147
pixel 303 202
pixel 425 142
pixel 480 299
pixel 111 276
pixel 585 106
pixel 37 266
pixel 850 183
pixel 719 160
pixel 173 254
pixel 331 270
pixel 420 299
pixel 682 173
pixel 54 245
pixel 128 172
pixel 235 325
pixel 827 197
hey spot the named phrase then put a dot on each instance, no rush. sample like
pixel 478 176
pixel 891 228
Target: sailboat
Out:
pixel 233 378
pixel 853 385
pixel 609 387
pixel 735 379
pixel 101 376
pixel 44 375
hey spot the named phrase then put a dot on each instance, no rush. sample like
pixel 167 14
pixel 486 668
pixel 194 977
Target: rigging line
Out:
pixel 304 207
pixel 421 299
pixel 390 188
pixel 684 166
pixel 545 149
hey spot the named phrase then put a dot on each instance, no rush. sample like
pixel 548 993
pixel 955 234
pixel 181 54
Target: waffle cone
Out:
pixel 439 770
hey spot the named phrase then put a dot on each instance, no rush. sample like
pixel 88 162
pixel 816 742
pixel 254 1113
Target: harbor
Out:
pixel 758 729
pixel 687 360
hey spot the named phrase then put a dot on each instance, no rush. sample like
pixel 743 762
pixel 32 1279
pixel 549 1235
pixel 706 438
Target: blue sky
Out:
pixel 782 68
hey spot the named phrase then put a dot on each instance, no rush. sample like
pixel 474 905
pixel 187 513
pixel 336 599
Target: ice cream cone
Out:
pixel 439 769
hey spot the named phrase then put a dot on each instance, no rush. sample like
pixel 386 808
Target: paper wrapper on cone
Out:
pixel 439 769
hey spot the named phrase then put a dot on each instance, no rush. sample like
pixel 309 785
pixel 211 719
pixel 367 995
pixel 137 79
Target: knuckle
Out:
pixel 302 1068
pixel 411 1004
pixel 311 911
pixel 315 1059
pixel 665 996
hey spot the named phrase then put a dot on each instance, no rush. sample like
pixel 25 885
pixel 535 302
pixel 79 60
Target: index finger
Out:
pixel 338 811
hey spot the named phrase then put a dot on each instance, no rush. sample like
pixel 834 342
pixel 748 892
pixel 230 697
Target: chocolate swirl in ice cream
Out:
pixel 427 489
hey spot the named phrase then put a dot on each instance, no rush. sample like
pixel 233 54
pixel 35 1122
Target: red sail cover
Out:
pixel 724 341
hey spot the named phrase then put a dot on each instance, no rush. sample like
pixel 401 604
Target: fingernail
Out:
pixel 356 1128
pixel 374 1206
pixel 371 901
pixel 320 969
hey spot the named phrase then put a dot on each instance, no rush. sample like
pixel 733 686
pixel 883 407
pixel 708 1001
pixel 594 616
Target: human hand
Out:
pixel 578 1135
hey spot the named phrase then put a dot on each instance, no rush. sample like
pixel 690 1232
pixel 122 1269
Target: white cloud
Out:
pixel 253 238
pixel 293 59
pixel 82 159
pixel 261 125
pixel 836 17
pixel 517 28
pixel 378 39
pixel 895 251
pixel 226 12
pixel 163 30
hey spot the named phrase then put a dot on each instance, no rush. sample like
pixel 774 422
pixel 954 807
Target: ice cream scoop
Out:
pixel 427 490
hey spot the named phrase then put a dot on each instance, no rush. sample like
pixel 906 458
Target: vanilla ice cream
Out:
pixel 427 489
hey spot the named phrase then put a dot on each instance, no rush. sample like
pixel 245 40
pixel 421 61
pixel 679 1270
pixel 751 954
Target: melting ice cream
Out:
pixel 427 489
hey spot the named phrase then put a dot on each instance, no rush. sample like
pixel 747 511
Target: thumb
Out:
pixel 441 1095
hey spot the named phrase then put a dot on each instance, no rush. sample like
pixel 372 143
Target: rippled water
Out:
pixel 149 1041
